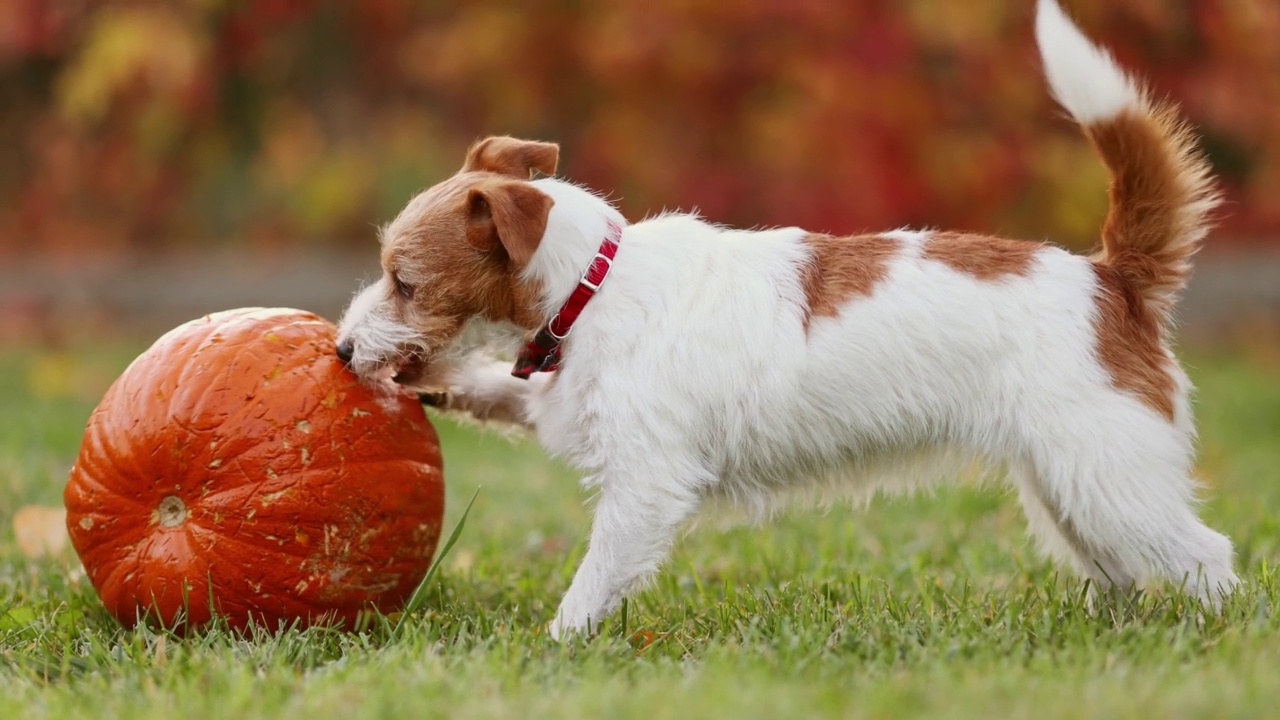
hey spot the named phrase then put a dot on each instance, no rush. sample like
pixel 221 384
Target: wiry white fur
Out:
pixel 577 222
pixel 1084 78
pixel 381 343
pixel 692 377
pixel 377 338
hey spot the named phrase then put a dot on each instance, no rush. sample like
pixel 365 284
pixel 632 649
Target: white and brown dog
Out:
pixel 743 365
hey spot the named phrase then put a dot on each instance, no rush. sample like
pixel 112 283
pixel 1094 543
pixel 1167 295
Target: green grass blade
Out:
pixel 420 592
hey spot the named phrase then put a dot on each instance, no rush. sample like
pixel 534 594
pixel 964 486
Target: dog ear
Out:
pixel 511 156
pixel 511 214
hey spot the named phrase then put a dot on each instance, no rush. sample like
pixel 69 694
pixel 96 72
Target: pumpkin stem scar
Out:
pixel 172 511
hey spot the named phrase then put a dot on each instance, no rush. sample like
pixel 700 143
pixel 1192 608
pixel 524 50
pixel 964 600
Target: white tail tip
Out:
pixel 1084 78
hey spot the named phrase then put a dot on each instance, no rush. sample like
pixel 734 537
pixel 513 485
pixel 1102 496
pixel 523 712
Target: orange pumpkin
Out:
pixel 237 468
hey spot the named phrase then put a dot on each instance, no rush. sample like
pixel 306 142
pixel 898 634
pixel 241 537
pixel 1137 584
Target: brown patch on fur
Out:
pixel 511 156
pixel 1129 342
pixel 1160 198
pixel 983 256
pixel 842 267
pixel 461 246
pixel 510 213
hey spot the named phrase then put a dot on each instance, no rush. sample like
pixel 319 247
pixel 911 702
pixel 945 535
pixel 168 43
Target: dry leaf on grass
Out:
pixel 41 530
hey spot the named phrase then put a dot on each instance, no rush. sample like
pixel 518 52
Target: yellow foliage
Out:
pixel 153 45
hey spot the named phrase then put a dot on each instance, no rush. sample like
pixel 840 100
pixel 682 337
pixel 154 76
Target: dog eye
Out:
pixel 403 289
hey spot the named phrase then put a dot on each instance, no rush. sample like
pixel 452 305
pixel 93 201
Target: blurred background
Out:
pixel 162 160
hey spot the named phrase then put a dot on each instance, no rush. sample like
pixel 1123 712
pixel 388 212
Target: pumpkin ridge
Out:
pixel 89 478
pixel 267 452
pixel 234 532
pixel 191 343
pixel 276 549
pixel 228 573
pixel 213 342
pixel 133 559
pixel 95 450
pixel 227 601
pixel 424 467
pixel 353 566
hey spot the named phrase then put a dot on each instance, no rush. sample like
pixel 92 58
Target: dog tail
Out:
pixel 1161 193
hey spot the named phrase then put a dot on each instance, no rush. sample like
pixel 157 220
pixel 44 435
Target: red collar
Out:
pixel 542 353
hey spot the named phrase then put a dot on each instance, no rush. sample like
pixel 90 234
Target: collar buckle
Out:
pixel 551 329
pixel 586 279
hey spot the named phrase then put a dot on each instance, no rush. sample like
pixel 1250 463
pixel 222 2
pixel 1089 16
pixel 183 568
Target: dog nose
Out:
pixel 346 350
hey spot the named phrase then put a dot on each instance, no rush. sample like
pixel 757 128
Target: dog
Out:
pixel 676 362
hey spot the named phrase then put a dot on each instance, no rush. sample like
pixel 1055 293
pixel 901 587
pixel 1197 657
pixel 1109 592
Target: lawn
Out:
pixel 928 606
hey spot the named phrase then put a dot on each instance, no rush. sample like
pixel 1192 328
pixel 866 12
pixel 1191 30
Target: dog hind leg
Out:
pixel 1124 513
pixel 1058 540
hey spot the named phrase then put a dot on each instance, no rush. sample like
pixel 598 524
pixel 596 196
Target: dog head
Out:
pixel 455 253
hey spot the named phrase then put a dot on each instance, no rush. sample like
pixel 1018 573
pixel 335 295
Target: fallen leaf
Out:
pixel 642 639
pixel 41 530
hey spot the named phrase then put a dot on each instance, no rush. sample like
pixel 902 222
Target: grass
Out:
pixel 925 606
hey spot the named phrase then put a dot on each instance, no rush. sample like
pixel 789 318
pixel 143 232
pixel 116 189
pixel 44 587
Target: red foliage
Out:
pixel 286 120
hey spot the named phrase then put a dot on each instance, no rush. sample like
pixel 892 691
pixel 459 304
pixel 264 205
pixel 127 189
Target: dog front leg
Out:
pixel 631 535
pixel 487 391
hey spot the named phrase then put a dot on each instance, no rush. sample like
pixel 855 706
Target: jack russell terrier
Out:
pixel 675 361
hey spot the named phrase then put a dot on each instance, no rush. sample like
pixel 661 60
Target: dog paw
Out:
pixel 436 399
pixel 564 631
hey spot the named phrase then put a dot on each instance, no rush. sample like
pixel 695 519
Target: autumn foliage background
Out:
pixel 137 127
